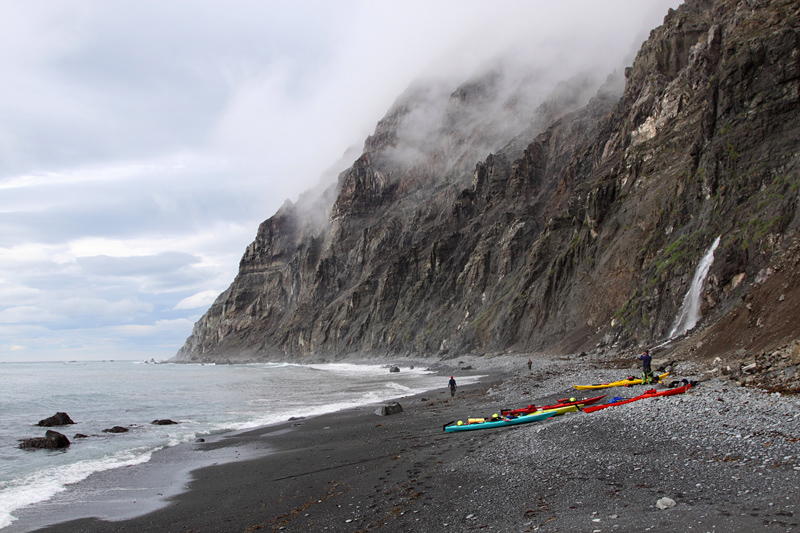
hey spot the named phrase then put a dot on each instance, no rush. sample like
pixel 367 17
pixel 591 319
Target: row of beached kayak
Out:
pixel 531 413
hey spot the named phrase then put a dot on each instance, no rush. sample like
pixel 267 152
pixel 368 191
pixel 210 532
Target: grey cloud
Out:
pixel 136 265
pixel 132 79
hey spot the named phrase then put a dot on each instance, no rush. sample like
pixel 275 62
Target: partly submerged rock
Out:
pixel 163 422
pixel 116 429
pixel 58 419
pixel 52 440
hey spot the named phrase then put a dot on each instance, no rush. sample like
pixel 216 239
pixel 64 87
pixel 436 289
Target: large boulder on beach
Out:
pixel 52 440
pixel 58 419
pixel 394 369
pixel 390 409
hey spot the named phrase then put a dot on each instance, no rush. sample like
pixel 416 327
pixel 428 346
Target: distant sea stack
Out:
pixel 483 219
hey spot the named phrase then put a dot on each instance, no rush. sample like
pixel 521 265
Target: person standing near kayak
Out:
pixel 647 372
pixel 452 385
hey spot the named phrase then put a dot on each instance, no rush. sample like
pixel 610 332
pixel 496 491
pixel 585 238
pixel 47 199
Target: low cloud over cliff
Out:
pixel 143 142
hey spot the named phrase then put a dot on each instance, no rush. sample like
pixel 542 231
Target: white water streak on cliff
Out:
pixel 689 313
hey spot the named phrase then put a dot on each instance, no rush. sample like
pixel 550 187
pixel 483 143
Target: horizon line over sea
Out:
pixel 204 399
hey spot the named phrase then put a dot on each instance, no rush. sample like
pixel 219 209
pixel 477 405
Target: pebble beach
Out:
pixel 721 457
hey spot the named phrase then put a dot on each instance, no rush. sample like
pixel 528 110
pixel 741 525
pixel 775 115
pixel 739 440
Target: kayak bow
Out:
pixel 653 393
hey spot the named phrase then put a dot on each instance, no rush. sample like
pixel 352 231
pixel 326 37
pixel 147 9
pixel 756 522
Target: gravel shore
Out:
pixel 727 458
pixel 720 458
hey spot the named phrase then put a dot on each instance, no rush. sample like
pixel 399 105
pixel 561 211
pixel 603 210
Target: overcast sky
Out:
pixel 142 142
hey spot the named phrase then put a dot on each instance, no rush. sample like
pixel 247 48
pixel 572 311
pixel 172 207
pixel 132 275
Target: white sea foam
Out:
pixel 44 484
pixel 204 399
pixel 398 387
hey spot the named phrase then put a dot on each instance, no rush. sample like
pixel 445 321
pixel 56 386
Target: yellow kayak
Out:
pixel 562 410
pixel 620 383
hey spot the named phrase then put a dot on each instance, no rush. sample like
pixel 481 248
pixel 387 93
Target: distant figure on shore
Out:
pixel 529 363
pixel 452 385
pixel 647 372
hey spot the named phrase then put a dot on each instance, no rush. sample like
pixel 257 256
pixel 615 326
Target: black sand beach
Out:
pixel 347 471
pixel 606 471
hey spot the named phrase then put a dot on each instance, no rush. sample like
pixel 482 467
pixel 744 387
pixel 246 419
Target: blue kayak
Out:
pixel 535 417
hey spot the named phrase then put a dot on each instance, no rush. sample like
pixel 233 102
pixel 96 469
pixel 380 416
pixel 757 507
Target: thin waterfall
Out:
pixel 689 313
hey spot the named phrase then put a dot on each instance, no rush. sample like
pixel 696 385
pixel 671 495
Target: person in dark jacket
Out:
pixel 647 371
pixel 452 385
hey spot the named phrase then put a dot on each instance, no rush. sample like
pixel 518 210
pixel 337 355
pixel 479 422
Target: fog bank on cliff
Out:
pixel 511 213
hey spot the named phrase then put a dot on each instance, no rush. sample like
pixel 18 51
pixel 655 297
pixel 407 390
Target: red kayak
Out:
pixel 652 393
pixel 564 402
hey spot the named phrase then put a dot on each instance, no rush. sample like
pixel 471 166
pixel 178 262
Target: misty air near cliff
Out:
pixel 141 143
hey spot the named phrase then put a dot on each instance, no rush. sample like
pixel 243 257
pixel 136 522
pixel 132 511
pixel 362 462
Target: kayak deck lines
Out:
pixel 627 382
pixel 564 402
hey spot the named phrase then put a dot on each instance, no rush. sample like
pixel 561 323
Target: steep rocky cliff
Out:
pixel 488 218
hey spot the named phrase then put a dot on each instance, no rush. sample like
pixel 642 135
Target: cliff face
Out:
pixel 488 219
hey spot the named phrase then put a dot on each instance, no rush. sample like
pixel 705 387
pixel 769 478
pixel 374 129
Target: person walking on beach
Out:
pixel 452 385
pixel 529 364
pixel 647 372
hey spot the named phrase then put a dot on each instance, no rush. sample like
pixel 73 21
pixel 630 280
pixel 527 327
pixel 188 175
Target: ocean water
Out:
pixel 204 399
